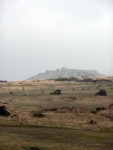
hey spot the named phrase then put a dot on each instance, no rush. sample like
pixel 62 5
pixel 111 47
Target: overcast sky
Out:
pixel 40 35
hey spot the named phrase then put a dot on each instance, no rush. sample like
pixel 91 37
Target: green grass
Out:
pixel 17 137
pixel 106 130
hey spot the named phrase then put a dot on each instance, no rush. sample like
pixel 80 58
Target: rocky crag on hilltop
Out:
pixel 65 73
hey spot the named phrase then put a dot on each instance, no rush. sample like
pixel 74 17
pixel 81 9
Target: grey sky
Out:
pixel 40 35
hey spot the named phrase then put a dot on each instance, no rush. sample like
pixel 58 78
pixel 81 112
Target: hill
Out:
pixel 64 72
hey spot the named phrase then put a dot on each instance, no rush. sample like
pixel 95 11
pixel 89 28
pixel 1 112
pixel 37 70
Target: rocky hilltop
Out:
pixel 64 72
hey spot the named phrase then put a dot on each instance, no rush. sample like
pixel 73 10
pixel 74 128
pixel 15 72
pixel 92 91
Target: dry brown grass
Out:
pixel 21 107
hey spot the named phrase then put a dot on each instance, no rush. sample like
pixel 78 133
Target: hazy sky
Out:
pixel 40 35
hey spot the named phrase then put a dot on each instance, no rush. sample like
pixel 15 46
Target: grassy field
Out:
pixel 56 130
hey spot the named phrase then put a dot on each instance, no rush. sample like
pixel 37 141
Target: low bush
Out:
pixel 92 122
pixel 38 114
pixel 35 148
pixel 101 93
pixel 56 92
pixel 3 111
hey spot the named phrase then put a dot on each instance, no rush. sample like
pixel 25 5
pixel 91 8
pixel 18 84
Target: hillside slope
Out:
pixel 64 72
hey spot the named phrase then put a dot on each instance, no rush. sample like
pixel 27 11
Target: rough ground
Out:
pixel 56 130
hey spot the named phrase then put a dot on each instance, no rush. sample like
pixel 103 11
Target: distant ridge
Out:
pixel 65 73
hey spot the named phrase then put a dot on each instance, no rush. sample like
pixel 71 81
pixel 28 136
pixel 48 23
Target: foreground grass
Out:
pixel 49 138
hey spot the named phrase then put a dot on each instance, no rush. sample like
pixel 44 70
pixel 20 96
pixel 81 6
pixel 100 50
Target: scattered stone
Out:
pixel 26 93
pixel 41 88
pixel 97 88
pixel 90 88
pixel 82 88
pixel 43 91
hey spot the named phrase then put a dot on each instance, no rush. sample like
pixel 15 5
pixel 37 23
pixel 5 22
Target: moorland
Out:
pixel 33 119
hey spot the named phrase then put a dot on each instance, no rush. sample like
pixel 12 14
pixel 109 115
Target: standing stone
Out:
pixel 43 91
pixel 26 93
pixel 63 88
pixel 23 88
pixel 82 88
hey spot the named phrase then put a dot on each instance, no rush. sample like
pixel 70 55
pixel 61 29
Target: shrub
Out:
pixel 93 111
pixel 3 111
pixel 92 122
pixel 101 93
pixel 12 93
pixel 36 148
pixel 56 92
pixel 38 114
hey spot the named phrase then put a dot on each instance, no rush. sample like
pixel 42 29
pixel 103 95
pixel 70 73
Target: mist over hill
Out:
pixel 64 72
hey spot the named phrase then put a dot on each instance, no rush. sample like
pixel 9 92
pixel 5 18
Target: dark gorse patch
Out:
pixel 56 92
pixel 101 93
pixel 38 114
pixel 3 111
pixel 35 148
